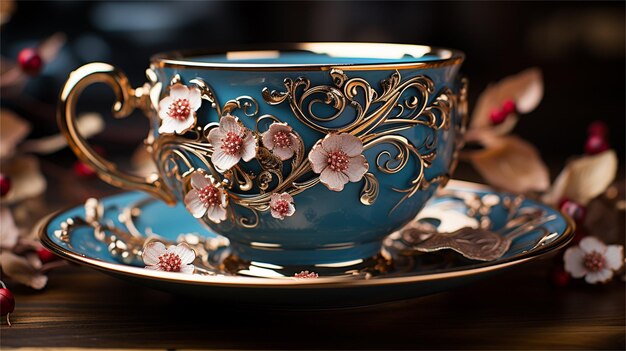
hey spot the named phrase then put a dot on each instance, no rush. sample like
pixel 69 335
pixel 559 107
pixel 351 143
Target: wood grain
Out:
pixel 516 310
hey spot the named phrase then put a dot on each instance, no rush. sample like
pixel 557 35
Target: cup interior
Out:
pixel 316 54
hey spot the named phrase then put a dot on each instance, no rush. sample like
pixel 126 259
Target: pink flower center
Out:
pixel 209 195
pixel 282 139
pixel 170 262
pixel 306 274
pixel 232 144
pixel 594 261
pixel 282 207
pixel 179 109
pixel 338 161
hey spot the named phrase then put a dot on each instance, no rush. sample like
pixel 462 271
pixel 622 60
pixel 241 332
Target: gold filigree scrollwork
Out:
pixel 375 118
pixel 349 105
pixel 369 193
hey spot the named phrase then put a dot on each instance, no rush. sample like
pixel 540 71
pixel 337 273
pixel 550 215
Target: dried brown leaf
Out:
pixel 584 178
pixel 524 88
pixel 13 129
pixel 512 164
pixel 26 179
pixel 20 270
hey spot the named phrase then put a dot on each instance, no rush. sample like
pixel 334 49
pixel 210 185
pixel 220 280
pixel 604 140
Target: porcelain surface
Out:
pixel 406 105
pixel 413 274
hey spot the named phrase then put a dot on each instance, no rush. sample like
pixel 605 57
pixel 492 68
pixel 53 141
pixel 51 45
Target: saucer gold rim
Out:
pixel 177 59
pixel 330 282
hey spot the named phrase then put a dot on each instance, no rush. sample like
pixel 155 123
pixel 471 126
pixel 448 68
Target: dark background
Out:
pixel 578 45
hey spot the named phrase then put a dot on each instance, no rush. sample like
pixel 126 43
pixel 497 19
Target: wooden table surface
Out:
pixel 518 309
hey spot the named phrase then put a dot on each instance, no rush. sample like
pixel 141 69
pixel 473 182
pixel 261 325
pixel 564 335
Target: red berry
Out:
pixel 559 277
pixel 574 210
pixel 7 302
pixel 596 144
pixel 5 184
pixel 46 256
pixel 30 61
pixel 83 170
pixel 508 107
pixel 497 116
pixel 597 128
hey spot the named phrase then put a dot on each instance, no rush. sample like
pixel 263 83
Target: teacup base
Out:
pixel 335 256
pixel 370 266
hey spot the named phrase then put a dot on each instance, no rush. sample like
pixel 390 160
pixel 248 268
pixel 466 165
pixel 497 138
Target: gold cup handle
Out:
pixel 127 99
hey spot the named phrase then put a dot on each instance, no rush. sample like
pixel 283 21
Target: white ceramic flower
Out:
pixel 231 142
pixel 206 197
pixel 281 140
pixel 593 260
pixel 338 160
pixel 282 206
pixel 178 110
pixel 172 259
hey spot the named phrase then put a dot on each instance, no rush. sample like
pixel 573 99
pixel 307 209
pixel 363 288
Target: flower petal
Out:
pixel 584 179
pixel 602 276
pixel 347 143
pixel 285 196
pixel 276 214
pixel 168 126
pixel 216 214
pixel 318 158
pixel 199 180
pixel 186 253
pixel 291 210
pixel 195 99
pixel 574 259
pixel 356 168
pixel 333 180
pixel 164 107
pixel 350 144
pixel 222 160
pixel 249 147
pixel 182 126
pixel 283 153
pixel 229 124
pixel 187 268
pixel 179 91
pixel 194 204
pixel 215 137
pixel 512 164
pixel 152 251
pixel 591 244
pixel 267 139
pixel 614 256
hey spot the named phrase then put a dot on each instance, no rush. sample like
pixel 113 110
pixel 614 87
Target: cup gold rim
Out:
pixel 446 57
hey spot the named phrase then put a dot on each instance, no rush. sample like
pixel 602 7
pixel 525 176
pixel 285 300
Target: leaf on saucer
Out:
pixel 20 270
pixel 524 88
pixel 512 164
pixel 583 179
pixel 475 244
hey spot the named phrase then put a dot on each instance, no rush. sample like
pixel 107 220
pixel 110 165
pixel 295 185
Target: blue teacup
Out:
pixel 307 156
